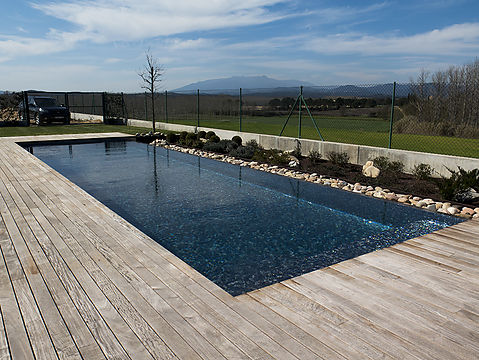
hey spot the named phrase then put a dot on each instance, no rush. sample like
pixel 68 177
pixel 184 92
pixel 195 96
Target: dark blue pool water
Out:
pixel 241 228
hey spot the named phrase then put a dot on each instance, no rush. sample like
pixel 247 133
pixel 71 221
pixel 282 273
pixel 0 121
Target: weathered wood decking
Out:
pixel 77 281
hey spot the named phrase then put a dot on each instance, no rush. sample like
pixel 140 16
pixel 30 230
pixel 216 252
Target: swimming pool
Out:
pixel 241 228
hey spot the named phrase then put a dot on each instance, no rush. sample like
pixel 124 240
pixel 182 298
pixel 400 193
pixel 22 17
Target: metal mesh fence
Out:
pixel 438 117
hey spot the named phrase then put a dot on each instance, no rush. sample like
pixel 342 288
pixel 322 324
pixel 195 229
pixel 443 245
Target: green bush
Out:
pixel 209 134
pixel 190 139
pixel 219 146
pixel 297 151
pixel 396 167
pixel 391 167
pixel 172 138
pixel 338 158
pixel 183 135
pixel 202 134
pixel 314 156
pixel 243 152
pixel 237 140
pixel 422 171
pixel 254 144
pixel 272 156
pixel 381 162
pixel 214 139
pixel 231 146
pixel 459 182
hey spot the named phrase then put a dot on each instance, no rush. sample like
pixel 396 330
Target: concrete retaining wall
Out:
pixel 89 117
pixel 358 154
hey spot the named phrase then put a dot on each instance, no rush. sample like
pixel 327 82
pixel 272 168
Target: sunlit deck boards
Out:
pixel 77 281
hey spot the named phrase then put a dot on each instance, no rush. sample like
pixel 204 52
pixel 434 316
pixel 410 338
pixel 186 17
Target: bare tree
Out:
pixel 150 75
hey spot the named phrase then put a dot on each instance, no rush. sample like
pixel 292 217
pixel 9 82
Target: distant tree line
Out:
pixel 444 103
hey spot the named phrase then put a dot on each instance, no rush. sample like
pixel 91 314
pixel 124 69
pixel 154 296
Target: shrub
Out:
pixel 254 144
pixel 237 140
pixel 338 158
pixel 216 146
pixel 243 152
pixel 396 167
pixel 314 156
pixel 201 134
pixel 272 156
pixel 183 135
pixel 214 139
pixel 209 134
pixel 190 139
pixel 381 162
pixel 172 138
pixel 297 150
pixel 231 146
pixel 391 167
pixel 422 171
pixel 458 183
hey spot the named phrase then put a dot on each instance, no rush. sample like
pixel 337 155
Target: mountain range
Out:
pixel 265 86
pixel 245 82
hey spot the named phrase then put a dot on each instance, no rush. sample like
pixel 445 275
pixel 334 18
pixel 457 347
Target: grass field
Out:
pixel 68 129
pixel 351 130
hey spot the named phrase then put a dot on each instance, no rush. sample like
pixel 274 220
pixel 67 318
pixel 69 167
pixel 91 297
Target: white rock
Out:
pixel 431 207
pixel 371 171
pixel 452 210
pixel 368 164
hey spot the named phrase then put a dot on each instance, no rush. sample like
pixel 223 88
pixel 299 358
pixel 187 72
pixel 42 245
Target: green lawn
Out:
pixel 68 129
pixel 357 130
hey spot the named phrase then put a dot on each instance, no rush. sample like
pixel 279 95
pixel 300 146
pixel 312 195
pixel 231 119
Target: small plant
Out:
pixel 201 135
pixel 314 156
pixel 243 152
pixel 183 135
pixel 172 138
pixel 422 171
pixel 459 183
pixel 297 150
pixel 237 140
pixel 386 166
pixel 232 145
pixel 219 146
pixel 209 134
pixel 254 144
pixel 272 156
pixel 338 158
pixel 214 138
pixel 190 139
pixel 381 162
pixel 396 167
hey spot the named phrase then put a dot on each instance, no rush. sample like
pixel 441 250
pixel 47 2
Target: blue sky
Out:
pixel 100 45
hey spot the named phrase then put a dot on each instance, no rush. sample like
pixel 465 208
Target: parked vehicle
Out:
pixel 43 109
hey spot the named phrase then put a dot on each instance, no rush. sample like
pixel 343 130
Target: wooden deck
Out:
pixel 77 281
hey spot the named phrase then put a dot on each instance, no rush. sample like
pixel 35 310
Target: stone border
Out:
pixel 377 192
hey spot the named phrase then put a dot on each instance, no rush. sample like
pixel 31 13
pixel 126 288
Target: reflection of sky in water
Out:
pixel 241 228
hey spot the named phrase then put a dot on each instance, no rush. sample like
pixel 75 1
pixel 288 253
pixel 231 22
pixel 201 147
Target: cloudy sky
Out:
pixel 100 45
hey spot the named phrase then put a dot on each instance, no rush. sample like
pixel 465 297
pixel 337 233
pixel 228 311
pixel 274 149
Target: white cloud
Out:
pixel 126 20
pixel 459 39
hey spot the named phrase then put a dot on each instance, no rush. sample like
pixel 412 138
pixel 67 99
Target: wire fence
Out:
pixel 421 117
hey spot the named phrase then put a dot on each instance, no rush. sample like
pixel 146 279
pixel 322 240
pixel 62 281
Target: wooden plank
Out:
pixel 4 348
pixel 38 335
pixel 55 325
pixel 15 331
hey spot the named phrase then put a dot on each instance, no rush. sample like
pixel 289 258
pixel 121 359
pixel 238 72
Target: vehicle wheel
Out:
pixel 36 118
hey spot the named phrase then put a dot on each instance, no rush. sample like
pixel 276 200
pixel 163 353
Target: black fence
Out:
pixel 422 116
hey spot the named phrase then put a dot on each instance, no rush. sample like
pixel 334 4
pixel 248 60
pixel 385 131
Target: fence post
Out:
pixel 240 108
pixel 392 116
pixel 123 108
pixel 198 108
pixel 166 106
pixel 103 106
pixel 300 106
pixel 26 110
